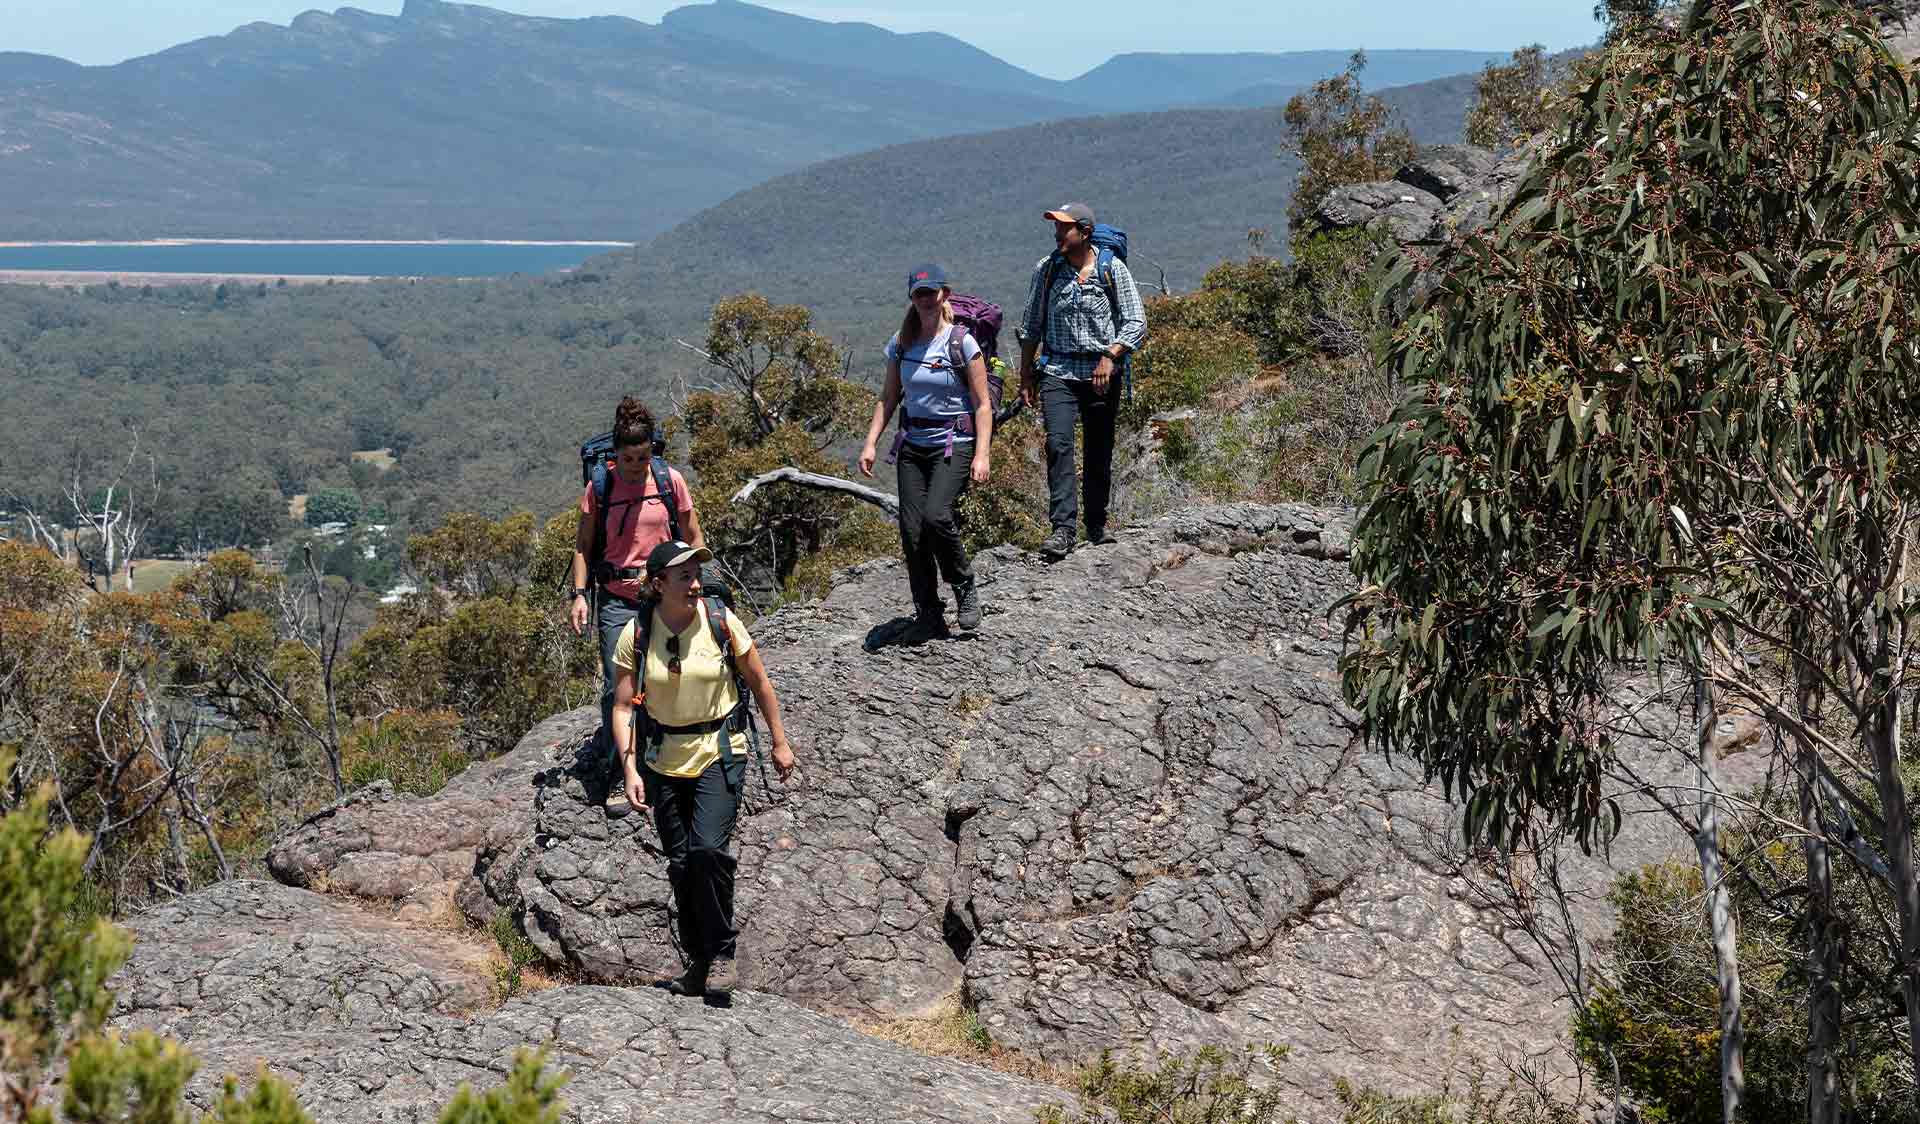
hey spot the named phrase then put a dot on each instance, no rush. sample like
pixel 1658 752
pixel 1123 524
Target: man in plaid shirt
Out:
pixel 1077 329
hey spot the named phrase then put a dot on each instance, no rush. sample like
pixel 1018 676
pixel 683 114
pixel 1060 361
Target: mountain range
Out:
pixel 838 236
pixel 454 120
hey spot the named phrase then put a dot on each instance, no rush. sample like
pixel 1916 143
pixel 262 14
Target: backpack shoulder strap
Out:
pixel 663 484
pixel 717 623
pixel 602 488
pixel 957 348
pixel 1046 293
pixel 723 636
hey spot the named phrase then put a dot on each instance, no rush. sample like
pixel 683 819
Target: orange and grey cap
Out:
pixel 1072 212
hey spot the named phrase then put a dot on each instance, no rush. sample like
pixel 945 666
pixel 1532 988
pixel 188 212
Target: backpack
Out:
pixel 981 319
pixel 650 733
pixel 1109 242
pixel 596 468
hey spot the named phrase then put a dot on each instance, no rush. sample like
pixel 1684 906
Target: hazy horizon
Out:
pixel 111 31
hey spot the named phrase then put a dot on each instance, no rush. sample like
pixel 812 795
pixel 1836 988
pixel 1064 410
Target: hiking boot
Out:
pixel 966 606
pixel 1059 544
pixel 722 977
pixel 931 619
pixel 1097 536
pixel 693 981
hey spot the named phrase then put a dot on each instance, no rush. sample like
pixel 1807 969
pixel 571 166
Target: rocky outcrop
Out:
pixel 1132 811
pixel 377 1020
pixel 1447 190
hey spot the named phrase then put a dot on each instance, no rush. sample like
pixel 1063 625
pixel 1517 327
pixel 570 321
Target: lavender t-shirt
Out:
pixel 930 390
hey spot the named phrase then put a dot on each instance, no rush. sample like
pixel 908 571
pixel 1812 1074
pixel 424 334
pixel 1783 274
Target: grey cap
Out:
pixel 1072 212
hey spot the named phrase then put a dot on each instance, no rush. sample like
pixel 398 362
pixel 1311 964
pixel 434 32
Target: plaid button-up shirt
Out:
pixel 1080 322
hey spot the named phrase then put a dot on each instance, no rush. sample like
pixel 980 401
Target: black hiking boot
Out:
pixel 723 976
pixel 693 981
pixel 1058 545
pixel 966 605
pixel 1097 536
pixel 931 620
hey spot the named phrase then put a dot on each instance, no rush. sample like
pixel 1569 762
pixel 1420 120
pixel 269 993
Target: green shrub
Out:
pixel 509 977
pixel 529 1096
pixel 1211 1085
pixel 419 751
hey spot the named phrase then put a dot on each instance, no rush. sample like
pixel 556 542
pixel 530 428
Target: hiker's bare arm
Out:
pixel 625 684
pixel 577 574
pixel 982 420
pixel 882 413
pixel 695 536
pixel 755 673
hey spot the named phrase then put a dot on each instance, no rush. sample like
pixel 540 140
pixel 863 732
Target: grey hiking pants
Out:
pixel 614 615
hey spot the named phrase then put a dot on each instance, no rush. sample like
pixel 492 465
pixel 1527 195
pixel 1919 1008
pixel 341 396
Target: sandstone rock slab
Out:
pixel 373 1020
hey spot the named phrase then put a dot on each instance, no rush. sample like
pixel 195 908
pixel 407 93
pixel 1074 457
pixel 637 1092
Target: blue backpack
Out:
pixel 596 468
pixel 1110 242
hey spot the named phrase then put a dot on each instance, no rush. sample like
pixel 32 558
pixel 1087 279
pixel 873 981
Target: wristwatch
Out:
pixel 578 591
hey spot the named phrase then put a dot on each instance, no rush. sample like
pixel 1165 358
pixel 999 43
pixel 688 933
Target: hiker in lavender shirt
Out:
pixel 937 376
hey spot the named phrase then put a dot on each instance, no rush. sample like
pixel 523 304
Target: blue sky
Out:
pixel 1023 32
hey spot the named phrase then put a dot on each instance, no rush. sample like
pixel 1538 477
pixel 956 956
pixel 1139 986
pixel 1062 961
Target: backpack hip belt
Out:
pixel 655 733
pixel 604 572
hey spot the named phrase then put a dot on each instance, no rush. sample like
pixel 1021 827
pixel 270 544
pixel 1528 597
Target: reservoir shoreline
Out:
pixel 320 242
pixel 177 261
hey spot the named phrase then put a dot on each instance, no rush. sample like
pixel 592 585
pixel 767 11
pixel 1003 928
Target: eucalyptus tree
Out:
pixel 1659 421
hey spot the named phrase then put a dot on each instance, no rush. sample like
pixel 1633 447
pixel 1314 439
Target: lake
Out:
pixel 306 259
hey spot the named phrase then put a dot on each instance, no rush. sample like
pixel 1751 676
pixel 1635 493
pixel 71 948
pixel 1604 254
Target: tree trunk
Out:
pixel 1885 666
pixel 1823 955
pixel 1885 740
pixel 1726 955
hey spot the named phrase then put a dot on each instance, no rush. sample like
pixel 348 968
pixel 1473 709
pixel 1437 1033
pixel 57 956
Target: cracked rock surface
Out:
pixel 376 1020
pixel 1132 811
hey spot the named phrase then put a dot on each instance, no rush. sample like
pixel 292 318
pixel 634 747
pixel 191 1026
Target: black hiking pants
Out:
pixel 695 818
pixel 1065 403
pixel 931 484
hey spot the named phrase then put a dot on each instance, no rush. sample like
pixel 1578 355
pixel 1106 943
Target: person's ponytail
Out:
pixel 632 423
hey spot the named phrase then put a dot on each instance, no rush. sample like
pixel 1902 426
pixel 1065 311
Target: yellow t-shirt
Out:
pixel 702 692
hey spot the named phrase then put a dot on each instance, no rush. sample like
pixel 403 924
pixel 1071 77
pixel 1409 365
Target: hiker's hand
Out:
pixel 1029 389
pixel 866 459
pixel 982 466
pixel 1102 374
pixel 783 758
pixel 636 791
pixel 577 614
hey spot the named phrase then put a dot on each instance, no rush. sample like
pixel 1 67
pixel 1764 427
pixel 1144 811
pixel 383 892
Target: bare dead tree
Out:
pixel 316 618
pixel 117 521
pixel 791 475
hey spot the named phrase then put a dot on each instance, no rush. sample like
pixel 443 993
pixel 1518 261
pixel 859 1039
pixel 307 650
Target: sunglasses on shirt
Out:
pixel 673 655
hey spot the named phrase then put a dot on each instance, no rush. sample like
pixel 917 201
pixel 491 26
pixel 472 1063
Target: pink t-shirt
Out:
pixel 636 522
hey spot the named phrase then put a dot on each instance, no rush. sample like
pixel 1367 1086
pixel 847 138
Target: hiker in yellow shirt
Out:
pixel 680 729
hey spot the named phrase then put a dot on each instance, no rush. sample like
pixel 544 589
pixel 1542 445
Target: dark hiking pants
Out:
pixel 931 484
pixel 695 818
pixel 614 615
pixel 1065 403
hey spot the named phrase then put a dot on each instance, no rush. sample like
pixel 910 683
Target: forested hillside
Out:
pixel 245 396
pixel 1187 185
pixel 241 397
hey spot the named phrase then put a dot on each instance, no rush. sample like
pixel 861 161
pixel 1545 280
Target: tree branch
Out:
pixel 790 475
